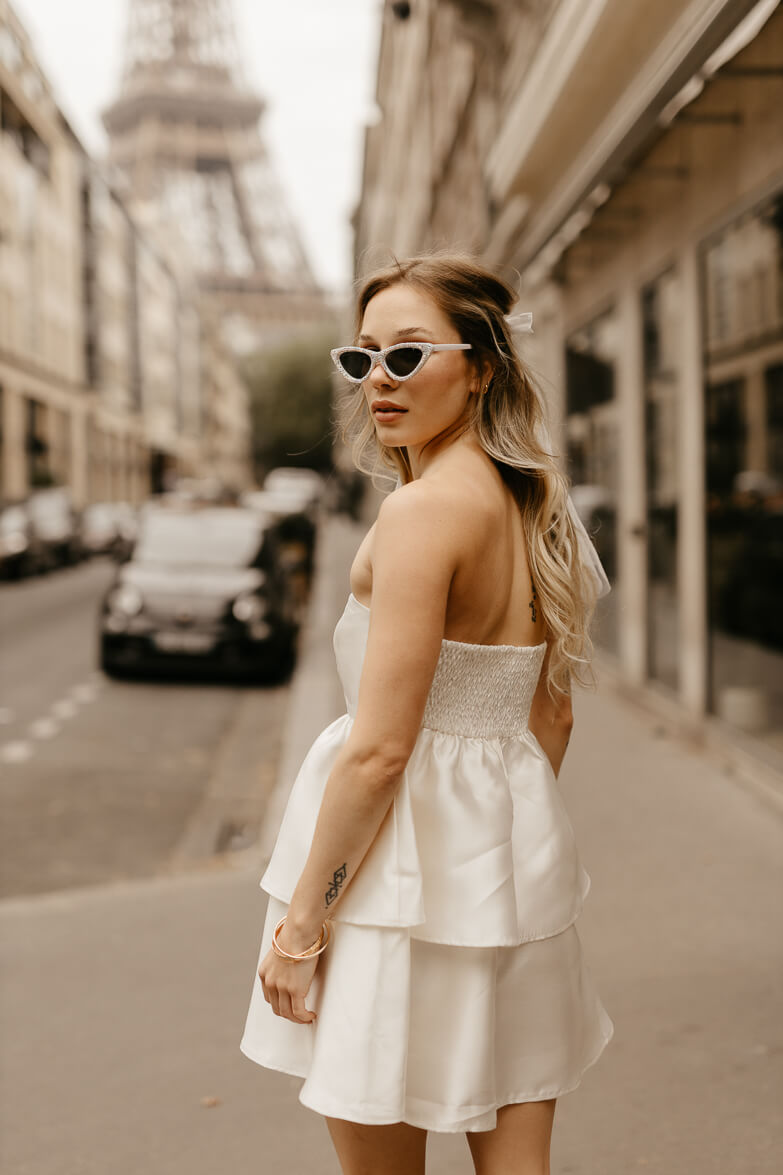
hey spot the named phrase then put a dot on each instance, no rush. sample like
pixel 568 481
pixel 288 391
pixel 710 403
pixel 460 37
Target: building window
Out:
pixel 39 472
pixel 743 282
pixel 661 315
pixel 16 127
pixel 743 297
pixel 774 396
pixel 591 431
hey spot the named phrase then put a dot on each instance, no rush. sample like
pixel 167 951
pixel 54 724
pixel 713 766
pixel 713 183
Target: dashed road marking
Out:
pixel 64 708
pixel 16 752
pixel 44 728
pixel 19 751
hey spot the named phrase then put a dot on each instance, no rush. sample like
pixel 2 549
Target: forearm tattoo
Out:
pixel 532 604
pixel 338 879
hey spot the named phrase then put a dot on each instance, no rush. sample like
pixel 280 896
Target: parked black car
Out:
pixel 108 528
pixel 56 525
pixel 203 589
pixel 21 550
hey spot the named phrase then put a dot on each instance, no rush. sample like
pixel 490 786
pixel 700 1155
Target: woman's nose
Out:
pixel 378 377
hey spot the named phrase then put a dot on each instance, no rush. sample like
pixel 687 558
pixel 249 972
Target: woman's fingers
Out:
pixel 274 1000
pixel 264 987
pixel 302 1014
pixel 285 997
pixel 288 1005
pixel 284 1004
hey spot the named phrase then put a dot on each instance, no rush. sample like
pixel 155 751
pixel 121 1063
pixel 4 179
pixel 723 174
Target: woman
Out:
pixel 419 965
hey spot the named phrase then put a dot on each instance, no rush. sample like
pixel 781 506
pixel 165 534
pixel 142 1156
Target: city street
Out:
pixel 552 232
pixel 139 989
pixel 102 779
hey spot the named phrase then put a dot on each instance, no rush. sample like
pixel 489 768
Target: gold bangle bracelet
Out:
pixel 317 948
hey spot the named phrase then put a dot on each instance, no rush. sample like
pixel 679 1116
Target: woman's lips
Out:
pixel 386 412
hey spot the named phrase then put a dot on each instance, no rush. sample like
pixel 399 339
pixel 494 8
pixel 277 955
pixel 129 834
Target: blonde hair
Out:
pixel 509 421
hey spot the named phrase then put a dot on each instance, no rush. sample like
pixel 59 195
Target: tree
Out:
pixel 290 390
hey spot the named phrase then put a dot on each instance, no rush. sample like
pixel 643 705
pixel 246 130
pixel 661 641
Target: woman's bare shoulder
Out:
pixel 470 485
pixel 462 506
pixel 419 507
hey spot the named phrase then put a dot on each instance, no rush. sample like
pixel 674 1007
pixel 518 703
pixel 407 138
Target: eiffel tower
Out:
pixel 184 132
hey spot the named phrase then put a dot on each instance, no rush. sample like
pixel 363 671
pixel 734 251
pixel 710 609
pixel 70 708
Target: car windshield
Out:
pixel 12 519
pixel 222 538
pixel 100 514
pixel 49 506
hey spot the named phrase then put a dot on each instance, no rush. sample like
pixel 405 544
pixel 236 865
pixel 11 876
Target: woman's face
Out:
pixel 436 398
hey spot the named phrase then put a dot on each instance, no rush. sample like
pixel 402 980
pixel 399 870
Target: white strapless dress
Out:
pixel 454 982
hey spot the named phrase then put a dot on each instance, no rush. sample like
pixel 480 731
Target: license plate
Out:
pixel 183 642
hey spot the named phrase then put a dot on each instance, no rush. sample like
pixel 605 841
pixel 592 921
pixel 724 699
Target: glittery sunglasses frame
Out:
pixel 380 357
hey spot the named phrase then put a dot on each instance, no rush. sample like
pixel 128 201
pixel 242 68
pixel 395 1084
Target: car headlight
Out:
pixel 126 599
pixel 248 608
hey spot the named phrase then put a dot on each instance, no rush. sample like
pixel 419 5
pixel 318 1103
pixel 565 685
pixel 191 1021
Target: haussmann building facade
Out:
pixel 114 379
pixel 622 164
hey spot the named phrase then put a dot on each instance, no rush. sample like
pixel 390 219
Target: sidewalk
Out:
pixel 123 1006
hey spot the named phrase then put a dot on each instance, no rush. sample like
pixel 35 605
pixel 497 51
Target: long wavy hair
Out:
pixel 510 423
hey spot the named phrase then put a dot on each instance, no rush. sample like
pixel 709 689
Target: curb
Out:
pixel 316 694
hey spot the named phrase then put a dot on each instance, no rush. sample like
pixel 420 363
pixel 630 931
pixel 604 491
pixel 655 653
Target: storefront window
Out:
pixel 39 472
pixel 742 273
pixel 661 313
pixel 592 447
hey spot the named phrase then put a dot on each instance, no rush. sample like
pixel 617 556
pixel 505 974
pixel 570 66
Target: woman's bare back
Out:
pixel 492 599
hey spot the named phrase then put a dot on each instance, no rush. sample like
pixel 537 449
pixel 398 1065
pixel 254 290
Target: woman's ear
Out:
pixel 482 378
pixel 487 371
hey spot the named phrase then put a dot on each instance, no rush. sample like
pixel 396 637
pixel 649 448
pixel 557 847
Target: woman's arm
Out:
pixel 415 553
pixel 551 722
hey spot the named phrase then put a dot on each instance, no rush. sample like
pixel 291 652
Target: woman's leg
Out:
pixel 519 1144
pixel 378 1150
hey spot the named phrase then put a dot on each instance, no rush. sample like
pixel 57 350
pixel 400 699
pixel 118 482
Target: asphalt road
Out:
pixel 104 780
pixel 122 1005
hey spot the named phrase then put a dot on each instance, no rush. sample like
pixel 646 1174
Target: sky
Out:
pixel 314 63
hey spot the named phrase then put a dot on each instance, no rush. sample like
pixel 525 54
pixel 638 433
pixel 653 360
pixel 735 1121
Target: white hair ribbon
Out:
pixel 587 552
pixel 522 323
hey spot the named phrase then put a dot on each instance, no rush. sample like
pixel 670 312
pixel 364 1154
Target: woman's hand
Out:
pixel 286 984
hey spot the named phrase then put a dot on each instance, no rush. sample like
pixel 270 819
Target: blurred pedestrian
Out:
pixel 420 966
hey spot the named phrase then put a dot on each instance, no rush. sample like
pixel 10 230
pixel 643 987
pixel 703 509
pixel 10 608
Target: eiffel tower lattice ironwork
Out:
pixel 184 130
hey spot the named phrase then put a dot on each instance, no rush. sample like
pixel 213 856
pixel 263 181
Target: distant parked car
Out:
pixel 208 491
pixel 108 528
pixel 293 518
pixel 56 524
pixel 21 551
pixel 297 491
pixel 202 590
pixel 292 480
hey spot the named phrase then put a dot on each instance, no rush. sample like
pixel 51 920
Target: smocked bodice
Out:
pixel 478 691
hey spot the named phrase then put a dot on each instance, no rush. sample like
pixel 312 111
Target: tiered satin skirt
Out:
pixel 437 1036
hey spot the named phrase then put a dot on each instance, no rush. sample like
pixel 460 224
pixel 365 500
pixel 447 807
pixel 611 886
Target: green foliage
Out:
pixel 291 404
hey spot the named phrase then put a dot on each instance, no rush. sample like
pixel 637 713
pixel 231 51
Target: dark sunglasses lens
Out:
pixel 355 364
pixel 404 360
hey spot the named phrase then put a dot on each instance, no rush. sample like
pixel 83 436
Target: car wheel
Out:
pixel 282 662
pixel 110 668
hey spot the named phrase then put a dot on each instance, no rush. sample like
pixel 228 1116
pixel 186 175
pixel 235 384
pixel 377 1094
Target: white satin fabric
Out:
pixel 430 1008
